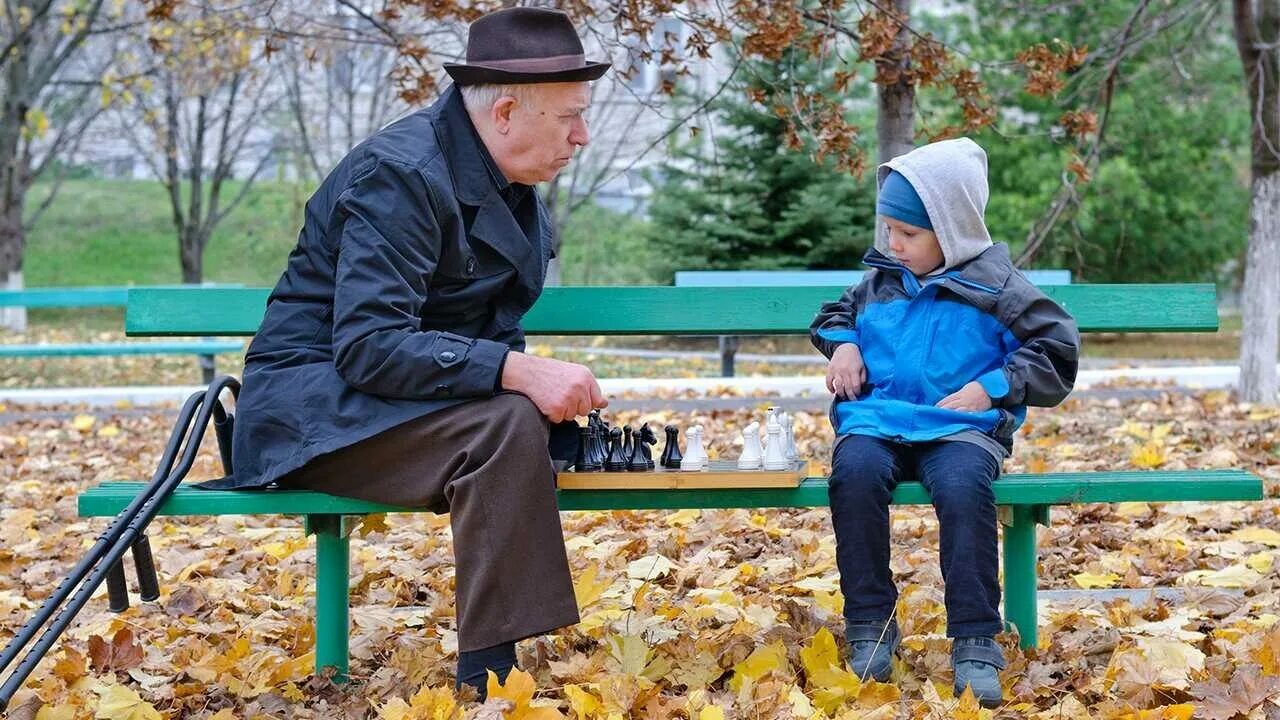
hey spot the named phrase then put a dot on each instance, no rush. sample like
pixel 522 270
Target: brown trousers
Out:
pixel 486 463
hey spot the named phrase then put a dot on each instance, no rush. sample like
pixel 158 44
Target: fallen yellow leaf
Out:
pixel 117 702
pixel 1147 456
pixel 711 712
pixel 1266 536
pixel 1089 581
pixel 1260 562
pixel 518 690
pixel 683 517
pixel 83 422
pixel 761 662
pixel 587 588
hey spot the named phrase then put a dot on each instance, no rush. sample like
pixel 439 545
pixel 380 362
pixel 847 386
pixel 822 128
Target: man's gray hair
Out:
pixel 479 98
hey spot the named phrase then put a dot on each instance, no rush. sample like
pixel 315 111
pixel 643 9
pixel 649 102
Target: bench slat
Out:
pixel 687 310
pixel 142 348
pixel 84 295
pixel 800 278
pixel 1044 489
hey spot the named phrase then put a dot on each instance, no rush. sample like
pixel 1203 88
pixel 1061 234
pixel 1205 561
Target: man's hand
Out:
pixel 846 373
pixel 561 390
pixel 970 398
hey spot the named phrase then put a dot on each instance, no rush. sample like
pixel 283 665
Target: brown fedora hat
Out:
pixel 524 45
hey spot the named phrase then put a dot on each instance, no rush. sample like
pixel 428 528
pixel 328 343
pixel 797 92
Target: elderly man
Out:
pixel 389 365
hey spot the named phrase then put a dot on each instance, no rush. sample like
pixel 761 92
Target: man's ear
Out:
pixel 500 113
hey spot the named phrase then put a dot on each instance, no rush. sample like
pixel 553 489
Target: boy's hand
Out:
pixel 970 398
pixel 846 373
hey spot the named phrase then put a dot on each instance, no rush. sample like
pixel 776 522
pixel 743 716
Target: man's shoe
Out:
pixel 977 662
pixel 871 647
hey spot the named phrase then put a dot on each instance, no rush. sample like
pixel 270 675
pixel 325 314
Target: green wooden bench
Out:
pixel 1024 500
pixel 80 297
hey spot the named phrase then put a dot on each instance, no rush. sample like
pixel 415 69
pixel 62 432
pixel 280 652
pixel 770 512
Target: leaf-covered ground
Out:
pixel 706 615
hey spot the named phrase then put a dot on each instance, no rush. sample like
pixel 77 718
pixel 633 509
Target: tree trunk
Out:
pixel 895 116
pixel 552 200
pixel 895 121
pixel 13 181
pixel 191 249
pixel 1260 338
pixel 1257 26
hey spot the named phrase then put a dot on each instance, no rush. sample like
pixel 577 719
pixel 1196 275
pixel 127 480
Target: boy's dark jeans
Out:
pixel 958 476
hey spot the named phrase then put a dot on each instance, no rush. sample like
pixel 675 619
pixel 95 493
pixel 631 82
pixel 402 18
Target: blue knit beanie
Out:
pixel 900 201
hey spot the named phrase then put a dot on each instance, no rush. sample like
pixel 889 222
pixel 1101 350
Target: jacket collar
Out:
pixel 478 182
pixel 462 147
pixel 979 280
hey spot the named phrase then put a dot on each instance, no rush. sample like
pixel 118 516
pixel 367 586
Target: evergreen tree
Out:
pixel 746 198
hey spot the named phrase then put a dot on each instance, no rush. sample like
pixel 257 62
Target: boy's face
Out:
pixel 913 246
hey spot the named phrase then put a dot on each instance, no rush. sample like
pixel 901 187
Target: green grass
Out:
pixel 120 232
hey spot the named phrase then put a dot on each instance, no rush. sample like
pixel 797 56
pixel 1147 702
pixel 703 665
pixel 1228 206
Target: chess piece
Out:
pixel 750 458
pixel 616 461
pixel 694 457
pixel 586 460
pixel 635 456
pixel 775 454
pixel 671 455
pixel 789 435
pixel 599 439
pixel 646 438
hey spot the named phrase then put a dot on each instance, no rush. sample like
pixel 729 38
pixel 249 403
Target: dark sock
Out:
pixel 473 666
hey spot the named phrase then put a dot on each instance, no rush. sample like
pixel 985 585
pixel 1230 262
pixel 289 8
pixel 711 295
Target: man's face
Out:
pixel 915 247
pixel 543 131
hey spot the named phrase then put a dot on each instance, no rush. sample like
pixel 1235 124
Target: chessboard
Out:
pixel 718 474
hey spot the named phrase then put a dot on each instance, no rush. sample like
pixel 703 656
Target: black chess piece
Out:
pixel 671 455
pixel 645 438
pixel 601 445
pixel 626 441
pixel 635 461
pixel 616 461
pixel 598 450
pixel 587 460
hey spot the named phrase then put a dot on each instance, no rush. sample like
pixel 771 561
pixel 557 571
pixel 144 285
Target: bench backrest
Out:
pixel 817 278
pixel 84 296
pixel 686 311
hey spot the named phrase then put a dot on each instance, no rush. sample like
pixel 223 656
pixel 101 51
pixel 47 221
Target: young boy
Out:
pixel 934 357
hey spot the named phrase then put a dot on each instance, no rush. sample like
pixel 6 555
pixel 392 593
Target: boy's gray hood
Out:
pixel 951 178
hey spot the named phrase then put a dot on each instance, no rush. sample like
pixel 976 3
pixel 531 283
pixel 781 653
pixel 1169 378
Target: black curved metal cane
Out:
pixel 103 561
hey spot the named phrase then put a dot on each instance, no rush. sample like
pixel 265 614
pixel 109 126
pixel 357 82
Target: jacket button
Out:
pixel 471 266
pixel 448 356
pixel 442 389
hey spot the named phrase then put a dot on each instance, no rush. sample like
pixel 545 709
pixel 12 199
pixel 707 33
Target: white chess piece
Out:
pixel 695 458
pixel 788 427
pixel 751 451
pixel 775 454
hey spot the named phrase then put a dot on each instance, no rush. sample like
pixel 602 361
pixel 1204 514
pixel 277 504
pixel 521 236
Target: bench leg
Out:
pixel 728 348
pixel 208 370
pixel 332 598
pixel 1020 573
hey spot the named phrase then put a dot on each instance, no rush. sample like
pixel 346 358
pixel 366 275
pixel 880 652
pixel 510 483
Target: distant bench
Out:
pixel 81 297
pixel 803 278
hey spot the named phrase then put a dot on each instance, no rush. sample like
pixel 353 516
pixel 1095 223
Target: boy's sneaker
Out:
pixel 977 662
pixel 872 646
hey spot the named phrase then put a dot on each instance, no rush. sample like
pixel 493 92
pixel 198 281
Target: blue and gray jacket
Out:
pixel 923 338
